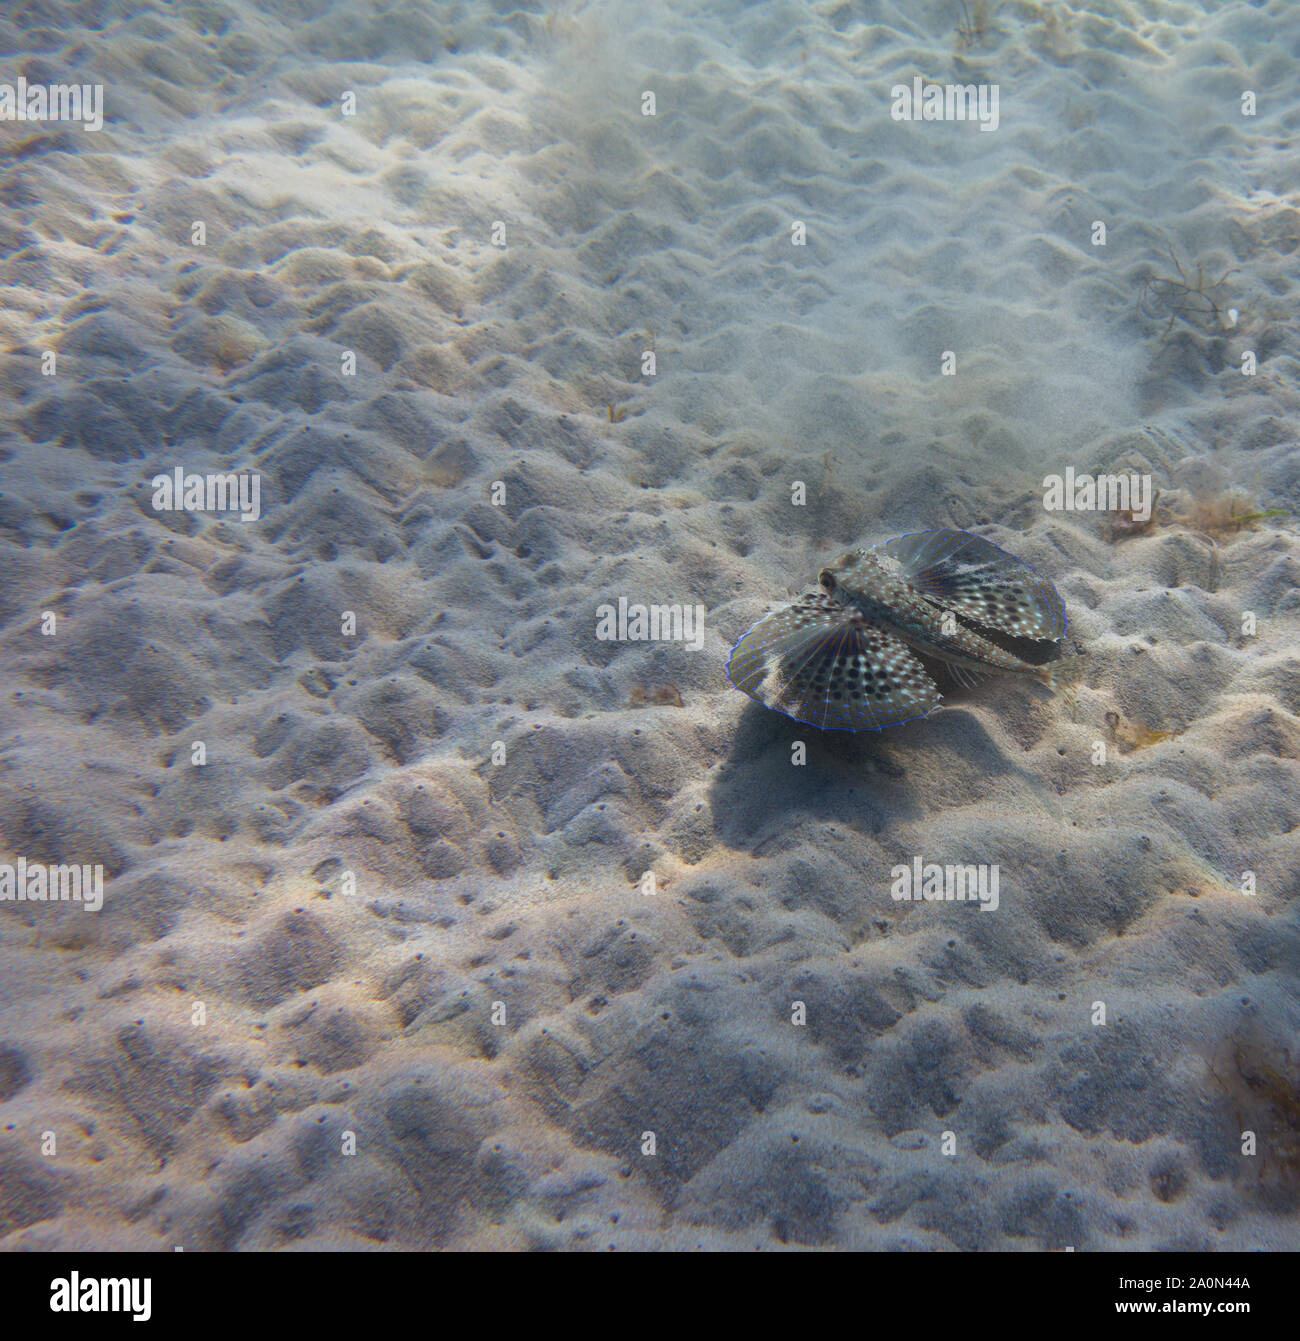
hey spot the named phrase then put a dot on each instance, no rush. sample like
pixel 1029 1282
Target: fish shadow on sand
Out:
pixel 869 781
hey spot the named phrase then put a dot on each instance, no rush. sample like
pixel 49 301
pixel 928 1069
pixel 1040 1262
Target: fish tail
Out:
pixel 1064 671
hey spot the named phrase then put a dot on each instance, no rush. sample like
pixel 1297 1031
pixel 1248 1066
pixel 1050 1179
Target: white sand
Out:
pixel 329 1009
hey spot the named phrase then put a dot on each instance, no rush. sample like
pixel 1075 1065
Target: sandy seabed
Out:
pixel 386 970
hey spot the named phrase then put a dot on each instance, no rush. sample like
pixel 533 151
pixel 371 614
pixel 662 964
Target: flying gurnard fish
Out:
pixel 839 658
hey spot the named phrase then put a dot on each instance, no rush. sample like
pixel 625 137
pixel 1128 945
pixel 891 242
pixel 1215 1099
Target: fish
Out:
pixel 843 657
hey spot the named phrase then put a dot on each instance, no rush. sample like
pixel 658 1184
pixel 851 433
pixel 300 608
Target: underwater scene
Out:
pixel 650 626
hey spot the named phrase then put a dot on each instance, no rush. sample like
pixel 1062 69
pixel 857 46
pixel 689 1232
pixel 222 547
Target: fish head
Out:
pixel 865 578
pixel 836 576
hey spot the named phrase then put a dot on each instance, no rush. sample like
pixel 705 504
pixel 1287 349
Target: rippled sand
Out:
pixel 405 898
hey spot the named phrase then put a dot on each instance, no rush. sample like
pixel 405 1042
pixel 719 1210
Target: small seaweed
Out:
pixel 1129 736
pixel 976 24
pixel 1262 1082
pixel 617 413
pixel 1224 513
pixel 1194 303
pixel 1125 523
pixel 658 696
pixel 560 26
pixel 1053 37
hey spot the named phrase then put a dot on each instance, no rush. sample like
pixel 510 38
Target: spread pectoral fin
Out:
pixel 975 579
pixel 819 662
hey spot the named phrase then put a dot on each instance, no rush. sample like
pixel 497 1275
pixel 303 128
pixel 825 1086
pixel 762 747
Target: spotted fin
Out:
pixel 821 663
pixel 975 579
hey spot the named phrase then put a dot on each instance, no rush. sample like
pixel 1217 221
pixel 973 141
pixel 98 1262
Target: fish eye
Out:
pixel 826 579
